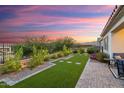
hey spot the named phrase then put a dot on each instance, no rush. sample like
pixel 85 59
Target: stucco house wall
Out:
pixel 114 30
pixel 118 41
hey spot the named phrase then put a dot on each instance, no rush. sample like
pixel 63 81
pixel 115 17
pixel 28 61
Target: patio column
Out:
pixel 110 44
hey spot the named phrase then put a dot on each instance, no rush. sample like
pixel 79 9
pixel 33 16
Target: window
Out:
pixel 106 43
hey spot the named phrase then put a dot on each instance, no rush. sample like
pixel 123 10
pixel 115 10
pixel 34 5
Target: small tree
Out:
pixel 38 57
pixel 19 54
pixel 66 50
pixel 101 56
pixel 79 52
pixel 13 64
pixel 92 50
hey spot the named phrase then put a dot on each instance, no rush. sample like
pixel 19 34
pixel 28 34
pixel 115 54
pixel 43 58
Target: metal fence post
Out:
pixel 3 54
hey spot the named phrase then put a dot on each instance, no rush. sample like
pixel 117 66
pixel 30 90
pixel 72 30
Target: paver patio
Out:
pixel 98 75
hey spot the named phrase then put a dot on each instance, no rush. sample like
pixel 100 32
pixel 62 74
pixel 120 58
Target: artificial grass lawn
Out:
pixel 62 75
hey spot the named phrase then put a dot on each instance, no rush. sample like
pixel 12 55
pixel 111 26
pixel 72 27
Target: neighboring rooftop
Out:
pixel 94 43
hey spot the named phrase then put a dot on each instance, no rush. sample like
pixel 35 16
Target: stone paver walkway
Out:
pixel 98 75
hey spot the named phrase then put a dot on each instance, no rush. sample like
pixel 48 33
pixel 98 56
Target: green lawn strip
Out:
pixel 62 75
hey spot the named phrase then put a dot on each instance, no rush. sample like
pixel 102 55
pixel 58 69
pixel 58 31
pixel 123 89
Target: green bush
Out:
pixel 3 84
pixel 78 51
pixel 60 54
pixel 101 56
pixel 91 50
pixel 27 50
pixel 66 50
pixel 58 44
pixel 69 51
pixel 81 50
pixel 13 64
pixel 38 57
pixel 47 58
pixel 54 56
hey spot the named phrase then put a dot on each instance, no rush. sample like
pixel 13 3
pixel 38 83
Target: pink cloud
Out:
pixel 47 20
pixel 52 35
pixel 86 9
pixel 24 16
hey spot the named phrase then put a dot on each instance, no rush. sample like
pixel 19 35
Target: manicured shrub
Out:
pixel 91 50
pixel 19 54
pixel 27 50
pixel 101 56
pixel 38 57
pixel 54 56
pixel 47 58
pixel 58 44
pixel 69 51
pixel 10 66
pixel 78 51
pixel 66 50
pixel 60 54
pixel 3 84
pixel 13 64
pixel 81 50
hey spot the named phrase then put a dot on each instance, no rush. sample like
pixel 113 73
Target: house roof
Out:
pixel 113 19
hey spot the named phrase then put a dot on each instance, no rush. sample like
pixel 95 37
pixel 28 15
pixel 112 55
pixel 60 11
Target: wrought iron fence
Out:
pixel 5 51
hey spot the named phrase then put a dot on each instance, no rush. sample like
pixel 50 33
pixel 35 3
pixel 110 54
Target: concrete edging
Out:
pixel 82 73
pixel 11 83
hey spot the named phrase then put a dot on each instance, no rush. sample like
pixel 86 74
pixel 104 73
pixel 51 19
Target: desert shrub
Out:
pixel 38 57
pixel 47 58
pixel 70 51
pixel 78 51
pixel 58 44
pixel 101 56
pixel 75 51
pixel 13 64
pixel 60 54
pixel 66 50
pixel 10 66
pixel 27 50
pixel 19 54
pixel 54 56
pixel 91 50
pixel 3 84
pixel 81 50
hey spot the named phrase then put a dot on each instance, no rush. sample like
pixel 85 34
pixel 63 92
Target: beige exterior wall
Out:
pixel 118 41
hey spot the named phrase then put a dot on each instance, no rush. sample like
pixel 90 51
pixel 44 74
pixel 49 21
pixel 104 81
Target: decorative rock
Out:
pixel 61 61
pixel 78 63
pixel 69 62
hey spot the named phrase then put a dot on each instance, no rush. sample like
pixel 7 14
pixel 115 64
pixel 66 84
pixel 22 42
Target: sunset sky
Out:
pixel 83 23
